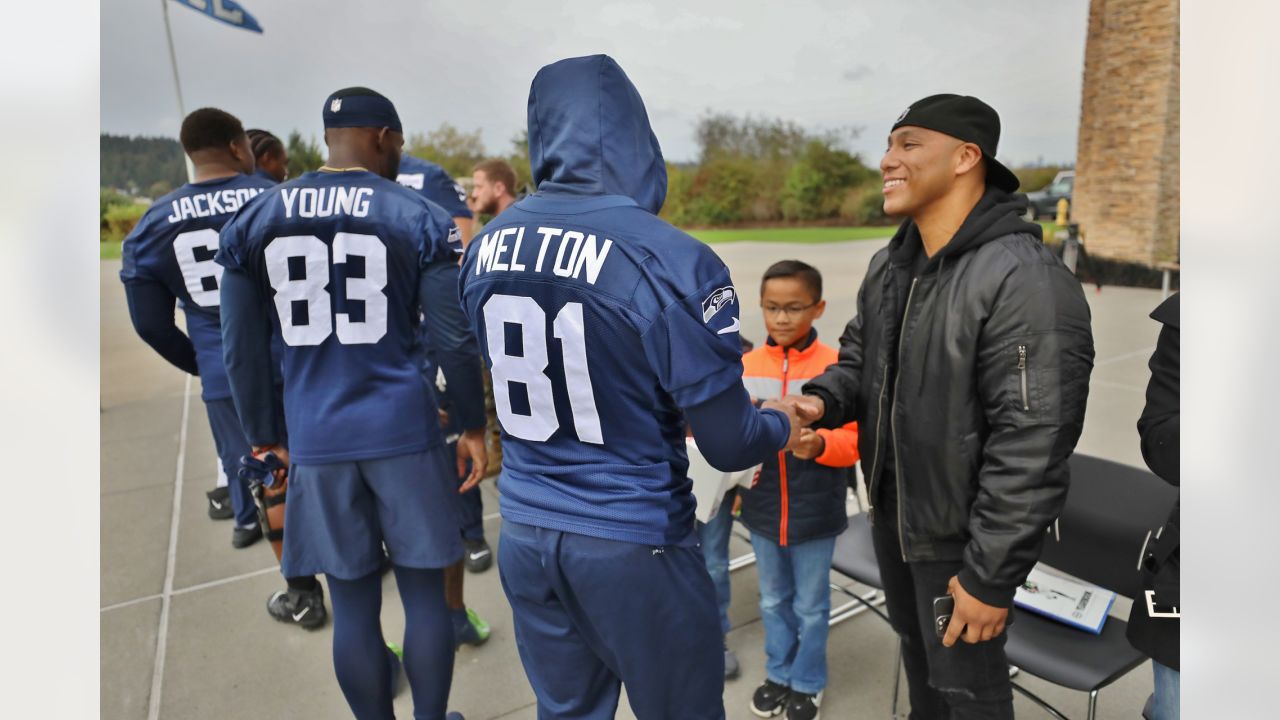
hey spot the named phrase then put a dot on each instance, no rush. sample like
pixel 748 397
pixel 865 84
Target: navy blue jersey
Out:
pixel 434 184
pixel 171 252
pixel 598 320
pixel 598 326
pixel 339 258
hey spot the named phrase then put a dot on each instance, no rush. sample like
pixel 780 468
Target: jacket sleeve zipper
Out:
pixel 1022 368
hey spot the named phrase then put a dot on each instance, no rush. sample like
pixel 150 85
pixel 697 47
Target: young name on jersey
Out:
pixel 219 202
pixel 577 254
pixel 321 202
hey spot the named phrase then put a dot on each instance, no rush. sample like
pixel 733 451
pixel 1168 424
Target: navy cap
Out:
pixel 360 107
pixel 966 118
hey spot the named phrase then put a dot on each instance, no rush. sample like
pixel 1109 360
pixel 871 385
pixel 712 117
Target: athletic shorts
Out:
pixel 339 515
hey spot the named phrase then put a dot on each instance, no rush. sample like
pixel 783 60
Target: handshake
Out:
pixel 802 411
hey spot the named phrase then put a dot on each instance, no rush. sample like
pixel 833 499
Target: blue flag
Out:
pixel 225 10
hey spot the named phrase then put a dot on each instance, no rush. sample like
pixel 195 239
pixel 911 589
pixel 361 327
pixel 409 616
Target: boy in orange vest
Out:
pixel 796 508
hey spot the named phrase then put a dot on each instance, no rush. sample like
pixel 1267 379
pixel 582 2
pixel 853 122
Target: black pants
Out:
pixel 956 683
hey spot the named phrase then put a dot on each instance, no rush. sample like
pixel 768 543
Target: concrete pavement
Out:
pixel 173 589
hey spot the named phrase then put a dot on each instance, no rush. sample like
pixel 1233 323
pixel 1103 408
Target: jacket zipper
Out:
pixel 782 459
pixel 893 425
pixel 1022 368
pixel 875 460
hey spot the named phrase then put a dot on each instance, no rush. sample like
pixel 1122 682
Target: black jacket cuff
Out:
pixel 993 596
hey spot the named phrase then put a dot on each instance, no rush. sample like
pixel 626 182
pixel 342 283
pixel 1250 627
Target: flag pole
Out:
pixel 177 84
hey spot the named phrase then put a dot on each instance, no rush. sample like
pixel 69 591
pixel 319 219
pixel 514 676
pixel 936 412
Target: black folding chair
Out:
pixel 855 558
pixel 1109 513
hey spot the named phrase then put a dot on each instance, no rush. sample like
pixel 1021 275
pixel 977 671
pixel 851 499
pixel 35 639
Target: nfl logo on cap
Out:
pixel 336 105
pixel 904 114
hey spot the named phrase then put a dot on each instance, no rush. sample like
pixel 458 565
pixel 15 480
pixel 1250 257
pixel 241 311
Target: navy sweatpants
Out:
pixel 592 615
pixel 231 444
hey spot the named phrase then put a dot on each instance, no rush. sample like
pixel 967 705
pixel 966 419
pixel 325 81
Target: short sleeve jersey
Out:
pixel 599 322
pixel 339 256
pixel 173 245
pixel 432 182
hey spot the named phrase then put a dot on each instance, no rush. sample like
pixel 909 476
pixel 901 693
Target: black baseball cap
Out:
pixel 360 107
pixel 966 118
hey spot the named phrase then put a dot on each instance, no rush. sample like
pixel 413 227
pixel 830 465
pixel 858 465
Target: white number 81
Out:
pixel 528 369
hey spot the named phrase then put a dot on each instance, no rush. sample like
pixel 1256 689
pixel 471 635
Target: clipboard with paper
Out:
pixel 710 484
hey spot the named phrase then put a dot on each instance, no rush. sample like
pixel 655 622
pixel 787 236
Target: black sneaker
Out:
pixel 298 607
pixel 220 504
pixel 770 699
pixel 244 537
pixel 803 707
pixel 479 556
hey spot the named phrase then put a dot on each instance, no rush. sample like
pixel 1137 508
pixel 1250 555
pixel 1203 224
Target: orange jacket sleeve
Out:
pixel 841 446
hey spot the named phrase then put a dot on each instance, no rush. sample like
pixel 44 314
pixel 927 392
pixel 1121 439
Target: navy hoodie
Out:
pixel 600 321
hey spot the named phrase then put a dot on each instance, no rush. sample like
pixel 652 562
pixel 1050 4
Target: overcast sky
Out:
pixel 821 64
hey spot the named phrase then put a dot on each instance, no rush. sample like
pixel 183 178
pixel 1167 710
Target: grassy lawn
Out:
pixel 814 234
pixel 793 235
pixel 111 250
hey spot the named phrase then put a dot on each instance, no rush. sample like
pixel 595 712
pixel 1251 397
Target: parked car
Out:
pixel 1044 203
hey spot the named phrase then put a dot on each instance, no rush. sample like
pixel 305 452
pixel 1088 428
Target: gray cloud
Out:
pixel 856 74
pixel 470 64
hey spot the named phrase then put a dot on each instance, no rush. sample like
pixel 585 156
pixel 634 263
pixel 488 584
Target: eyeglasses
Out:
pixel 787 311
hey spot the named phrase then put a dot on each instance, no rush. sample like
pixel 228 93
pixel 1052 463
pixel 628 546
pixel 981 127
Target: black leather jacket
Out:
pixel 1160 430
pixel 977 369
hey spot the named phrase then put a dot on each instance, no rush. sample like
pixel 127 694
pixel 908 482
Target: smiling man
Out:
pixel 967 368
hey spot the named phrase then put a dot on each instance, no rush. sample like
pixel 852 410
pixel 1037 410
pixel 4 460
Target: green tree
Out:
pixel 454 150
pixel 817 184
pixel 159 188
pixel 135 163
pixel 519 161
pixel 304 155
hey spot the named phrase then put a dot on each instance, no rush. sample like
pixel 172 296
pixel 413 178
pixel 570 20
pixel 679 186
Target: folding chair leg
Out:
pixel 1043 705
pixel 1093 704
pixel 897 678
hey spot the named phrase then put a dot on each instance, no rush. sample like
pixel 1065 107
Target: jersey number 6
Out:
pixel 310 290
pixel 529 368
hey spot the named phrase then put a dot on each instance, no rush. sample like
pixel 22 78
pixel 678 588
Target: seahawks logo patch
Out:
pixel 716 302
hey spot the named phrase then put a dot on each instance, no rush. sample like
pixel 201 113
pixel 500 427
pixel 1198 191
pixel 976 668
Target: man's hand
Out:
pixel 787 406
pixel 977 620
pixel 280 451
pixel 810 446
pixel 471 447
pixel 810 408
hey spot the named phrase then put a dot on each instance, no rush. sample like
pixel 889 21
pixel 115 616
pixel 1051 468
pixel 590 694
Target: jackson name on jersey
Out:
pixel 202 205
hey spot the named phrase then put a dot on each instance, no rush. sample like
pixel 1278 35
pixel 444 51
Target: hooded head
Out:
pixel 589 133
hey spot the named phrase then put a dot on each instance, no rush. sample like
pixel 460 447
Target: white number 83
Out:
pixel 312 288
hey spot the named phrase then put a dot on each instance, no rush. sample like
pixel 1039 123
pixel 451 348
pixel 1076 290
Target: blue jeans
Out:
pixel 714 536
pixel 1165 705
pixel 795 605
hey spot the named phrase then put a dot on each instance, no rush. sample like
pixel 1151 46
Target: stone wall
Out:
pixel 1126 192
